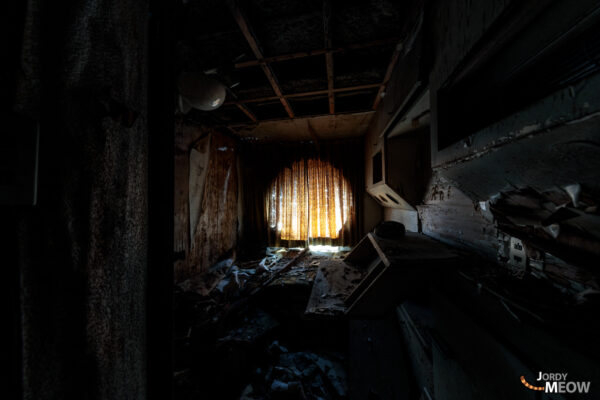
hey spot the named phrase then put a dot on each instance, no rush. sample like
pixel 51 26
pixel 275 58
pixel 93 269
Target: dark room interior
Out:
pixel 301 199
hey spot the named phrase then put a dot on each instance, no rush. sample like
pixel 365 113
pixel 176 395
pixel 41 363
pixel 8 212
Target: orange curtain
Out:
pixel 288 203
pixel 310 200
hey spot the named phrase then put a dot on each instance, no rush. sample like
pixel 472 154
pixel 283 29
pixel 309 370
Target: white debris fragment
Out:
pixel 573 190
pixel 553 230
pixel 279 386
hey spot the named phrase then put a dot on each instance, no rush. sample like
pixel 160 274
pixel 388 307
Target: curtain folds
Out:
pixel 295 195
pixel 287 203
pixel 331 201
pixel 310 200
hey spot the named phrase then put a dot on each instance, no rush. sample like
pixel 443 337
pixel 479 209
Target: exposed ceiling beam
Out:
pixel 241 106
pixel 388 74
pixel 317 52
pixel 254 100
pixel 242 22
pixel 306 94
pixel 235 125
pixel 283 57
pixel 336 90
pixel 275 84
pixel 247 111
pixel 328 55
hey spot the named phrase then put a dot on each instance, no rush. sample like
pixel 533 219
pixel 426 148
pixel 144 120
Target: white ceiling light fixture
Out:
pixel 200 91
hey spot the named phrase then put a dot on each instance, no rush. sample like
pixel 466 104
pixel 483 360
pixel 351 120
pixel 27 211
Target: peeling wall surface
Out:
pixel 542 147
pixel 546 145
pixel 566 154
pixel 83 247
pixel 201 241
pixel 552 143
pixel 450 216
pixel 185 137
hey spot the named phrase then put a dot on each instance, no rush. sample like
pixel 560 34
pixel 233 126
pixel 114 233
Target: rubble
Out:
pixel 306 374
pixel 255 325
pixel 229 336
pixel 205 282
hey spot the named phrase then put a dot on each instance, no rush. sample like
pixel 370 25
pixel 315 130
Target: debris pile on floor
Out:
pixel 229 342
pixel 298 375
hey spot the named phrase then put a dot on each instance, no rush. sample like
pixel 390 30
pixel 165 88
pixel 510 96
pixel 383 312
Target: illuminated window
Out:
pixel 311 199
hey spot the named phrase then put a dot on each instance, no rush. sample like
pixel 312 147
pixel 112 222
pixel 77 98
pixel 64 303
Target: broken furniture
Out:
pixel 482 324
pixel 377 274
pixel 417 325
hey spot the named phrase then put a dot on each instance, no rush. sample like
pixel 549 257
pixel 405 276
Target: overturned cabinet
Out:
pixel 377 275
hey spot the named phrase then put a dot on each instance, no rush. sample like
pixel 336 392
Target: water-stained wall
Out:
pixel 206 198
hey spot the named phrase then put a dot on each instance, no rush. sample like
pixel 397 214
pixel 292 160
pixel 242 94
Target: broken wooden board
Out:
pixel 334 282
pixel 414 248
pixel 372 272
pixel 415 261
pixel 367 250
pixel 368 257
pixel 382 274
pixel 301 273
pixel 276 273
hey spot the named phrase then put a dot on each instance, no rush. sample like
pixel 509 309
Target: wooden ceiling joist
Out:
pixel 236 125
pixel 335 90
pixel 307 94
pixel 275 84
pixel 242 106
pixel 242 22
pixel 388 74
pixel 247 111
pixel 317 52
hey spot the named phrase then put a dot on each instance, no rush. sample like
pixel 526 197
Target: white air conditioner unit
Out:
pixel 399 164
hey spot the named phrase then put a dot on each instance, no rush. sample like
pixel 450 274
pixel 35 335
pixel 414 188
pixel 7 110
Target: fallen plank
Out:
pixel 335 280
pixel 279 272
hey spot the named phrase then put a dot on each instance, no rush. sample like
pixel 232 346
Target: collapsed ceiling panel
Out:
pixel 252 83
pixel 290 59
pixel 356 101
pixel 325 127
pixel 300 32
pixel 302 75
pixel 268 110
pixel 356 20
pixel 362 66
pixel 307 106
